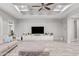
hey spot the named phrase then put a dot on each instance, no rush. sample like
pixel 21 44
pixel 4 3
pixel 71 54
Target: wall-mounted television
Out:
pixel 37 30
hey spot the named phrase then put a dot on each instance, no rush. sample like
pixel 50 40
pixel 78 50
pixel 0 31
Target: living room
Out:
pixel 58 27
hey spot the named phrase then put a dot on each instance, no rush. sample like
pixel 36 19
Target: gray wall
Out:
pixel 56 26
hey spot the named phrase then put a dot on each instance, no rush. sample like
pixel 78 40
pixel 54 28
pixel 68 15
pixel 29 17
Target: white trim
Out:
pixel 17 8
pixel 66 7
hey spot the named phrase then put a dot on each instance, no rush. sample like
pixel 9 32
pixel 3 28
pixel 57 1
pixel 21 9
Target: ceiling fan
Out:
pixel 44 6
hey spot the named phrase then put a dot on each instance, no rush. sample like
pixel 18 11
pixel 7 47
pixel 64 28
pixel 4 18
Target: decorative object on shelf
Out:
pixel 21 38
pixel 46 33
pixel 23 33
pixel 51 33
pixel 29 33
pixel 14 38
pixel 11 33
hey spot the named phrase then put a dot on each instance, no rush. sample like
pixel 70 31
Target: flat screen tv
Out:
pixel 37 30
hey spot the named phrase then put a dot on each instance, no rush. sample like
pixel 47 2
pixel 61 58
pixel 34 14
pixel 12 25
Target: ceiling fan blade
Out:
pixel 40 9
pixel 35 6
pixel 47 8
pixel 49 4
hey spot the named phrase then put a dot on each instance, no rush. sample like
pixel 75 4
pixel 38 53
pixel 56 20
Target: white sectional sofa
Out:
pixel 6 47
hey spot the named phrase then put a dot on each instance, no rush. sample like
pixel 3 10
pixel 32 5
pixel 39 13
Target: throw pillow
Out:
pixel 7 39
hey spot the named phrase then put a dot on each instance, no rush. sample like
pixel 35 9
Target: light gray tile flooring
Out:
pixel 55 48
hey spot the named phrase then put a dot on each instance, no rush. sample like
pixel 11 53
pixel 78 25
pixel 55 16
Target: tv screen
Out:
pixel 37 30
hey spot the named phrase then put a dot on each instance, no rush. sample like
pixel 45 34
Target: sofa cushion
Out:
pixel 11 44
pixel 3 47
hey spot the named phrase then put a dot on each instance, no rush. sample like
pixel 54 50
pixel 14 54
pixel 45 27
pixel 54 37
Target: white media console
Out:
pixel 38 37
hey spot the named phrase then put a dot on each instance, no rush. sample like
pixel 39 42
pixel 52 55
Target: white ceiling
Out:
pixel 27 9
pixel 33 11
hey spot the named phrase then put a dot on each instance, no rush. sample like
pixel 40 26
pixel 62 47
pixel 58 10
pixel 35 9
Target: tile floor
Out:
pixel 55 48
